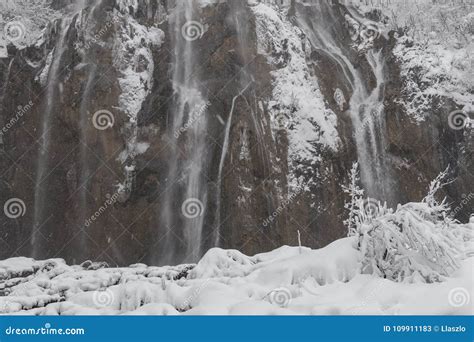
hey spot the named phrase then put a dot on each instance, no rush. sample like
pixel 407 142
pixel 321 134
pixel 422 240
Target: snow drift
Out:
pixel 288 281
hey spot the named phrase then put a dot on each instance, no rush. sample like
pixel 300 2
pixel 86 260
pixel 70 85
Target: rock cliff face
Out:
pixel 150 131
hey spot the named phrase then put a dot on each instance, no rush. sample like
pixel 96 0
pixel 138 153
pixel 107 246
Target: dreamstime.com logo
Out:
pixel 103 299
pixel 459 296
pixel 370 31
pixel 14 208
pixel 103 119
pixel 459 119
pixel 46 330
pixel 14 31
pixel 371 207
pixel 192 30
pixel 280 296
pixel 192 208
pixel 366 31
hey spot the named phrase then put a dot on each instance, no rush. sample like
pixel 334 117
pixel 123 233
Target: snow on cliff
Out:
pixel 297 103
pixel 435 52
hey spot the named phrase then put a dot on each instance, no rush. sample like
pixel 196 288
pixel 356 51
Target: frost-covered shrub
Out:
pixel 415 242
pixel 355 193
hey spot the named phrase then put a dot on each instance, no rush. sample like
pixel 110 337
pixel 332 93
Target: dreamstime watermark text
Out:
pixel 466 200
pixel 46 330
pixel 193 117
pixel 21 110
pixel 283 206
pixel 108 203
pixel 97 37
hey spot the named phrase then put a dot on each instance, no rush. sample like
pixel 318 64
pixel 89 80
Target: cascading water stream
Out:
pixel 185 188
pixel 239 13
pixel 84 123
pixel 225 147
pixel 365 107
pixel 43 158
pixel 373 129
pixel 84 165
pixel 367 116
pixel 239 19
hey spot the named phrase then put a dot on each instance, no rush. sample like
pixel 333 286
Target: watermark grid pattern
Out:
pixel 15 162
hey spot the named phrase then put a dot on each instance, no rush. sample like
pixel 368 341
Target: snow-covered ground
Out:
pixel 286 281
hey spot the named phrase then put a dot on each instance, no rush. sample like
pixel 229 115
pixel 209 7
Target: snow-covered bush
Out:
pixel 415 242
pixel 355 193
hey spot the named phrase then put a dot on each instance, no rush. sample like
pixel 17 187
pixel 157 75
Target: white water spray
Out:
pixel 225 147
pixel 185 175
pixel 365 108
pixel 43 158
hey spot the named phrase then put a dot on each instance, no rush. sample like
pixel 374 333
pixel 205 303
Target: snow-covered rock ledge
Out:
pixel 287 281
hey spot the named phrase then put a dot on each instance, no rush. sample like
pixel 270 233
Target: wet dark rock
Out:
pixel 85 166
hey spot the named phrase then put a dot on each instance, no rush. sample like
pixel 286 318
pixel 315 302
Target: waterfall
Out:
pixel 368 117
pixel 225 147
pixel 42 171
pixel 239 12
pixel 185 189
pixel 365 106
pixel 84 165
pixel 53 95
pixel 238 15
pixel 84 123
